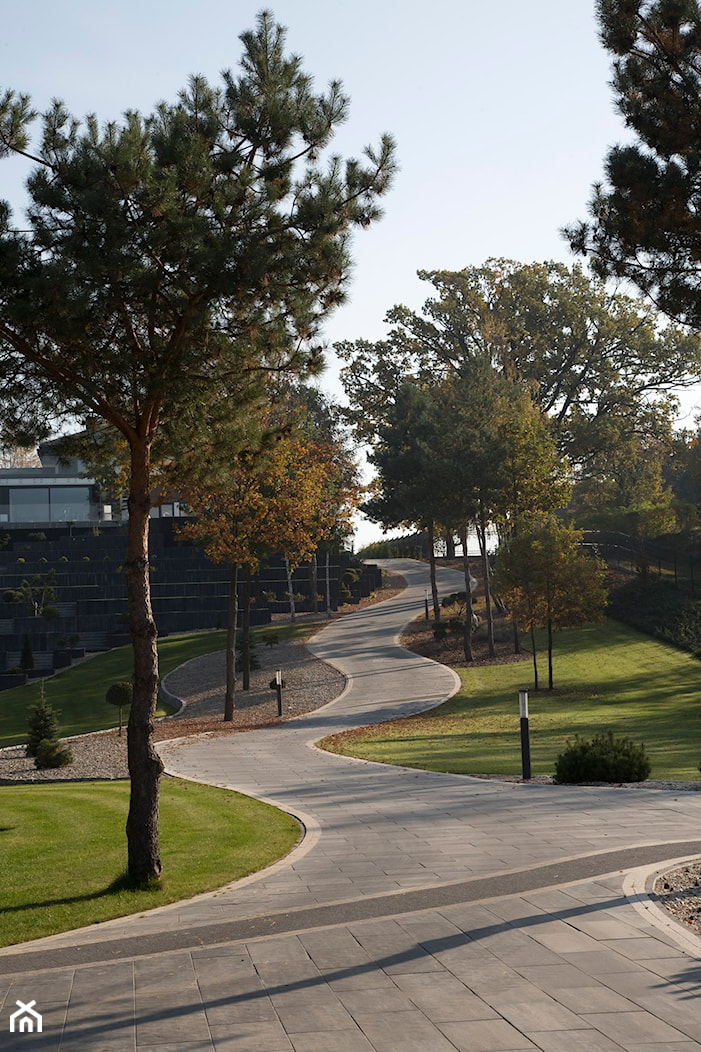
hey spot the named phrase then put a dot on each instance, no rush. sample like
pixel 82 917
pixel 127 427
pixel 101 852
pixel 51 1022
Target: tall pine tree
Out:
pixel 169 264
pixel 645 220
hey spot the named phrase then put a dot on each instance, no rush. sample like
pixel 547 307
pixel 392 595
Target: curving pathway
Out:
pixel 421 911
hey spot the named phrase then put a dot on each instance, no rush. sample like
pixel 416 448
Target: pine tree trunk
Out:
pixel 432 564
pixel 550 654
pixel 517 638
pixel 231 625
pixel 535 662
pixel 449 545
pixel 145 766
pixel 467 638
pixel 487 587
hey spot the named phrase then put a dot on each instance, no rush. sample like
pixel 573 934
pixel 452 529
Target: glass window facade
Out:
pixel 49 504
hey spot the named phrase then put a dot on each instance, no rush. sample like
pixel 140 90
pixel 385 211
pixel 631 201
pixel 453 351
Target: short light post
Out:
pixel 278 688
pixel 525 736
pixel 426 602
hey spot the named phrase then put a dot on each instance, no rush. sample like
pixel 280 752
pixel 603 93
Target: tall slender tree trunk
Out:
pixel 231 626
pixel 145 766
pixel 246 632
pixel 290 589
pixel 314 575
pixel 432 565
pixel 467 638
pixel 487 586
pixel 550 654
pixel 449 545
pixel 328 584
pixel 535 661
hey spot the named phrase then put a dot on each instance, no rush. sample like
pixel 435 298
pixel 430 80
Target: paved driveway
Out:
pixel 421 911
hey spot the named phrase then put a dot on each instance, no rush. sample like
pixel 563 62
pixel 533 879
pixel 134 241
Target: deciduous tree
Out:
pixel 284 499
pixel 549 581
pixel 597 362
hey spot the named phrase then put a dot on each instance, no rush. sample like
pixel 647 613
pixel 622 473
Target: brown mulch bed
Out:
pixel 418 636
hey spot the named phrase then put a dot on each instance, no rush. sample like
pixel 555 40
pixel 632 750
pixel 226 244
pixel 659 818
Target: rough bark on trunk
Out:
pixel 487 587
pixel 432 564
pixel 231 625
pixel 467 639
pixel 145 766
pixel 449 545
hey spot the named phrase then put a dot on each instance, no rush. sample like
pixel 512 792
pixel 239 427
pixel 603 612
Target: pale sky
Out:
pixel 501 111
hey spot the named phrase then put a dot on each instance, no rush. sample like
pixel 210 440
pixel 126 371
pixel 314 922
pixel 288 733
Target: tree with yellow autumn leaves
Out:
pixel 299 490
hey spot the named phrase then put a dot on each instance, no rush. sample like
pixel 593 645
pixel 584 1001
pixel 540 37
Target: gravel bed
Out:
pixel 309 684
pixel 679 893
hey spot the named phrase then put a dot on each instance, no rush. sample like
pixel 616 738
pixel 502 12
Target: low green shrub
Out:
pixel 603 759
pixel 440 631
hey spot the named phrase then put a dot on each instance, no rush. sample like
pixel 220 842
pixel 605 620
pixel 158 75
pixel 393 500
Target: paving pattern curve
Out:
pixel 421 911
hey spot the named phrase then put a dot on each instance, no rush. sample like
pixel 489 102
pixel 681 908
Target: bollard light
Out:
pixel 278 688
pixel 525 735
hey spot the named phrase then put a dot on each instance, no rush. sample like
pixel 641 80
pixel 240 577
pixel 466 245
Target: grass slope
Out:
pixel 79 692
pixel 606 676
pixel 62 850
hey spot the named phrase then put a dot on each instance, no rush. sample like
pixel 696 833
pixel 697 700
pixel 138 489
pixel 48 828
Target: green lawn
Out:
pixel 79 692
pixel 606 676
pixel 63 850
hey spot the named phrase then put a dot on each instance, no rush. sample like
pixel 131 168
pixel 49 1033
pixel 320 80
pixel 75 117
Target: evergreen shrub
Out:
pixel 42 724
pixel 603 759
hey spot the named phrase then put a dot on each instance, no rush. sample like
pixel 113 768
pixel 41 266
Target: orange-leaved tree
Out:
pixel 285 499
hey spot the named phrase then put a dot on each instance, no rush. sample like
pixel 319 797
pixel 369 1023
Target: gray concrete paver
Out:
pixel 571 966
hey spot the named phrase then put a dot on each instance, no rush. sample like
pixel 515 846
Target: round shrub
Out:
pixel 440 631
pixel 603 759
pixel 120 694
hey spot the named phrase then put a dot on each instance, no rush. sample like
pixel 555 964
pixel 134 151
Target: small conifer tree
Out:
pixel 42 722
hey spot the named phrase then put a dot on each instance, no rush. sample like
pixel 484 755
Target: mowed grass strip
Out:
pixel 79 692
pixel 606 677
pixel 63 850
